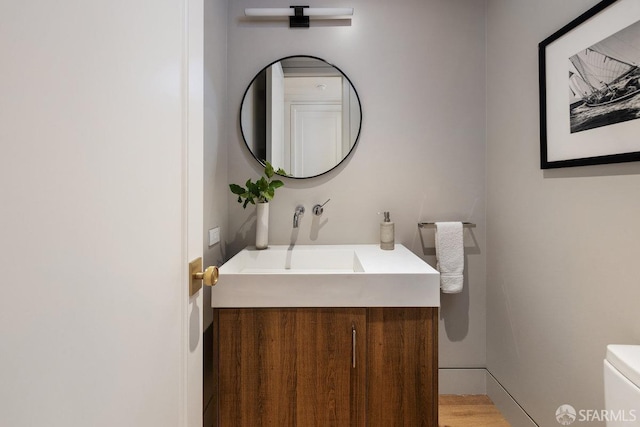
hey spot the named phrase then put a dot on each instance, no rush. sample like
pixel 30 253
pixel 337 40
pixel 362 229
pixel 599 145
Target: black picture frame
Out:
pixel 591 132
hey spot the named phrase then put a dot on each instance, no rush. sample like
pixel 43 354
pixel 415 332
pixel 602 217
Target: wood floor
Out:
pixel 469 411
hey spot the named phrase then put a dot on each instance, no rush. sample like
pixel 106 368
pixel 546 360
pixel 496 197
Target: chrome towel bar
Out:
pixel 433 225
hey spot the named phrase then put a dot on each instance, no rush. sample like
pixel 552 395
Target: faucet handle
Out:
pixel 318 209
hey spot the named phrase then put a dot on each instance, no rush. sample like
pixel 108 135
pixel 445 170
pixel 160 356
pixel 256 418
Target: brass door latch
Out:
pixel 197 276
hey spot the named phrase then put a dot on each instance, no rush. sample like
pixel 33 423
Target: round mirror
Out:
pixel 301 114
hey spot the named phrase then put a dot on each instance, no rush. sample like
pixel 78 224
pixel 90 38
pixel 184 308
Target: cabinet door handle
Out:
pixel 353 346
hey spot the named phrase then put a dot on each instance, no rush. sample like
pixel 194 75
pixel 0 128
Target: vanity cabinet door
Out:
pixel 402 367
pixel 291 367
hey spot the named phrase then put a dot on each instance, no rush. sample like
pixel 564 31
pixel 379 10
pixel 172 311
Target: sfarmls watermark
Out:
pixel 567 415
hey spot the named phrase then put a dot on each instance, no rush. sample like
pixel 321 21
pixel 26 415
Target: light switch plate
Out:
pixel 214 236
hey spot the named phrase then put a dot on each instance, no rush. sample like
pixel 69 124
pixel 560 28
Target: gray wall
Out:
pixel 419 68
pixel 562 245
pixel 216 131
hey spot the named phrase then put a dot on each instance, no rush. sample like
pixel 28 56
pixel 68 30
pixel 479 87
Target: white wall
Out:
pixel 419 68
pixel 216 128
pixel 562 245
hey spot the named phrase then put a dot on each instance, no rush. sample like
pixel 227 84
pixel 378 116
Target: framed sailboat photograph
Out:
pixel 589 76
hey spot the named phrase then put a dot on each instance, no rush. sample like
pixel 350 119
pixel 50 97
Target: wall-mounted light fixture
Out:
pixel 299 15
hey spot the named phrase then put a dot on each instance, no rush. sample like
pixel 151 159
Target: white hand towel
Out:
pixel 450 256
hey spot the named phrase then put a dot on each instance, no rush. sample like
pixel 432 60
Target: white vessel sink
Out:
pixel 326 276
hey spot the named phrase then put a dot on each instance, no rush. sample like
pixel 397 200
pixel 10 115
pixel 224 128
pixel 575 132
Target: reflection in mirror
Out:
pixel 302 115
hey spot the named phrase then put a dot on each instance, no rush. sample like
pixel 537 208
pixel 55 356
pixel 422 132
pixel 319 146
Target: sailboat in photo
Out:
pixel 604 81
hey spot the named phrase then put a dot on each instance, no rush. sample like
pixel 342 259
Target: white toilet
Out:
pixel 622 385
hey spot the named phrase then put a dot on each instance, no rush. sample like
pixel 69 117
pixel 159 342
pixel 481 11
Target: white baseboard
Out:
pixel 462 381
pixel 509 408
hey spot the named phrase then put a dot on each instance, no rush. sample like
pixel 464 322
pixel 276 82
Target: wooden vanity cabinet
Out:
pixel 402 367
pixel 326 367
pixel 291 367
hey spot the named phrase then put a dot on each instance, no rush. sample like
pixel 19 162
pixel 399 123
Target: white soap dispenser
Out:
pixel 387 233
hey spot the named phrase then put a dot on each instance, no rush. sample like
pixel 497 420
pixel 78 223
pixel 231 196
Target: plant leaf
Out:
pixel 276 184
pixel 252 189
pixel 262 184
pixel 269 193
pixel 236 189
pixel 268 170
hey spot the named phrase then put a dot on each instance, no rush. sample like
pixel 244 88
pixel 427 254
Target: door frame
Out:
pixel 192 209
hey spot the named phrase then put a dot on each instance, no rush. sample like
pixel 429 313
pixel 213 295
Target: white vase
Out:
pixel 262 225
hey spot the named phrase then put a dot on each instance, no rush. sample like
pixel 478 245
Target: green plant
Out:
pixel 260 191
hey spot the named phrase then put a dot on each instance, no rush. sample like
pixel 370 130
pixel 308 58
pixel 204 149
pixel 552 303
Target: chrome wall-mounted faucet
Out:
pixel 318 209
pixel 296 216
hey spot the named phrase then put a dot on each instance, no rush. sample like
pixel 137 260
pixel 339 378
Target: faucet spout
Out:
pixel 296 216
